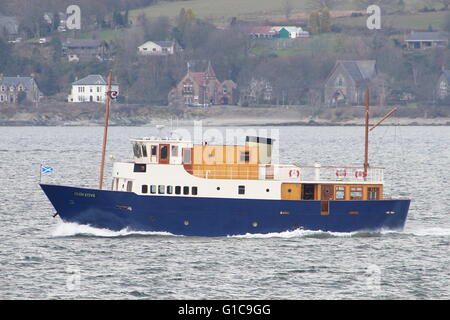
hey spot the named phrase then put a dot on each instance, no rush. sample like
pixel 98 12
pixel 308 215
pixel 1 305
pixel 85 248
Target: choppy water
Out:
pixel 43 258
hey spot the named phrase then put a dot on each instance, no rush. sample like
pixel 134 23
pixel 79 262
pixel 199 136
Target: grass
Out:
pixel 416 21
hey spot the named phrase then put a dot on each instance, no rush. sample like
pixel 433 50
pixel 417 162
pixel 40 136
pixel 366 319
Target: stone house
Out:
pixel 425 40
pixel 203 89
pixel 348 80
pixel 14 89
pixel 83 49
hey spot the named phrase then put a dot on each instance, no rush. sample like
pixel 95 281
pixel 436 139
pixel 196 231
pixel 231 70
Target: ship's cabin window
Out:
pixel 194 191
pixel 174 151
pixel 187 159
pixel 373 193
pixel 139 167
pixel 161 189
pixel 144 150
pixel 356 193
pixel 154 150
pixel 177 190
pixel 153 189
pixel 144 188
pixel 185 190
pixel 241 189
pixel 137 150
pixel 169 189
pixel 129 186
pixel 244 156
pixel 340 193
pixel 308 191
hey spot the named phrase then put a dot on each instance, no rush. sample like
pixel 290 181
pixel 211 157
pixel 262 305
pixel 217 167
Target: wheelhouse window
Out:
pixel 178 190
pixel 144 188
pixel 164 152
pixel 340 193
pixel 356 193
pixel 169 189
pixel 139 167
pixel 185 190
pixel 144 150
pixel 241 189
pixel 194 191
pixel 174 151
pixel 137 150
pixel 161 189
pixel 154 150
pixel 153 189
pixel 373 193
pixel 187 156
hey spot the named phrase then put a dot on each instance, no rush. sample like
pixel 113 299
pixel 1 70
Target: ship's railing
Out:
pixel 322 173
pixel 294 173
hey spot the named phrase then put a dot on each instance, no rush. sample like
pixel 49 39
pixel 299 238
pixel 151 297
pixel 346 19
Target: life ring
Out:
pixel 341 171
pixel 293 172
pixel 360 173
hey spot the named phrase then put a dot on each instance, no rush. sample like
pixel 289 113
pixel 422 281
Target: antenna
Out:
pixel 105 131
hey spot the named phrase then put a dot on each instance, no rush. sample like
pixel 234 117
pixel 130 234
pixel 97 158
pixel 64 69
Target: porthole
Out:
pixel 267 190
pixel 218 188
pixel 254 224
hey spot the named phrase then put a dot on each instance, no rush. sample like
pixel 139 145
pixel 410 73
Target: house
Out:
pixel 16 89
pixel 92 88
pixel 262 32
pixel 443 85
pixel 424 40
pixel 348 80
pixel 203 88
pixel 160 48
pixel 82 49
pixel 291 32
pixel 257 91
pixel 9 27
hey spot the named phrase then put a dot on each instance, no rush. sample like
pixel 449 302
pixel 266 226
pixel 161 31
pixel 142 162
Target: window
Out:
pixel 356 193
pixel 98 89
pixel 144 188
pixel 161 189
pixel 373 193
pixel 187 156
pixel 241 189
pixel 194 191
pixel 144 151
pixel 244 156
pixel 177 190
pixel 138 167
pixel 185 190
pixel 153 189
pixel 129 186
pixel 174 151
pixel 169 189
pixel 340 193
pixel 98 98
pixel 163 154
pixel 154 150
pixel 137 150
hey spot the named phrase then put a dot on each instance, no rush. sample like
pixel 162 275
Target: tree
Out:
pixel 314 22
pixel 287 8
pixel 325 17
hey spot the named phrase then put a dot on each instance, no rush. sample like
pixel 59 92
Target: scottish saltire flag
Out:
pixel 46 169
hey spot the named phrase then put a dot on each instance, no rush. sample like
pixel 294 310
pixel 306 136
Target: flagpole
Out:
pixel 105 131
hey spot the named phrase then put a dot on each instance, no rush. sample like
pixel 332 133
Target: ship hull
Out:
pixel 197 216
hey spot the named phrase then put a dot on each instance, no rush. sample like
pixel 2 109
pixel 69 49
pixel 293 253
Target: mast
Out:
pixel 105 131
pixel 366 136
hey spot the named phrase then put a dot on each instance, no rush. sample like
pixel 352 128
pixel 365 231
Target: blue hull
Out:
pixel 192 216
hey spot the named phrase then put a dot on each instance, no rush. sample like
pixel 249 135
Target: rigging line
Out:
pixel 380 143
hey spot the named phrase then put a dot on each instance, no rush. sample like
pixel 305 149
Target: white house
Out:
pixel 92 88
pixel 157 48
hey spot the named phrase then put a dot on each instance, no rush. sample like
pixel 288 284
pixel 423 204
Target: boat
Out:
pixel 176 186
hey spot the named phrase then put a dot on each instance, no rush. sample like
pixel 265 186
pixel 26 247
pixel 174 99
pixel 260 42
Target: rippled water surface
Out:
pixel 44 258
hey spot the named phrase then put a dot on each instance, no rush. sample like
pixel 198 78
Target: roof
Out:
pixel 261 30
pixel 92 79
pixel 10 24
pixel 229 84
pixel 28 82
pixel 162 44
pixel 427 36
pixel 82 43
pixel 359 70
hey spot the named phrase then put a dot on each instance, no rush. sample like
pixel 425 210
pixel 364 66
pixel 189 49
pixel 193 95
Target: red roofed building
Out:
pixel 203 89
pixel 262 32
